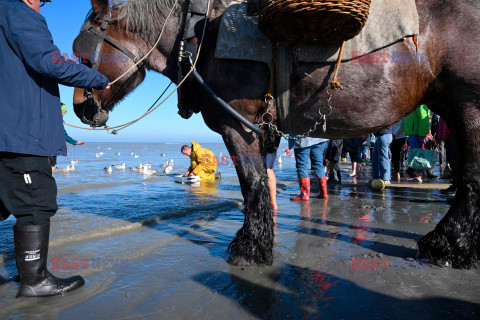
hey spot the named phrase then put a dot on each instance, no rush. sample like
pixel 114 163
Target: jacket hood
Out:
pixel 195 146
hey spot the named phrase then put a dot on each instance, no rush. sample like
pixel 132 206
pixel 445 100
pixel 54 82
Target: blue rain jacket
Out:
pixel 30 70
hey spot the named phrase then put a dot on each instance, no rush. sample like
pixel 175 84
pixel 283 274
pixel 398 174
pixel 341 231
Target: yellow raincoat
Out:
pixel 203 162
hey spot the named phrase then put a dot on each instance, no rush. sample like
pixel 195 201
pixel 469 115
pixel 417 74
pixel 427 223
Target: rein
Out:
pixel 102 37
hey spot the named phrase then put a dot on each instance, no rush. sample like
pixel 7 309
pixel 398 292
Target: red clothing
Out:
pixel 443 132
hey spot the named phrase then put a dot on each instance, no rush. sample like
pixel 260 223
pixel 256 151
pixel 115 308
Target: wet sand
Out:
pixel 351 257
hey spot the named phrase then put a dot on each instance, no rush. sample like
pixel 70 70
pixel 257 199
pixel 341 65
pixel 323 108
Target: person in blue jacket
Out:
pixel 31 130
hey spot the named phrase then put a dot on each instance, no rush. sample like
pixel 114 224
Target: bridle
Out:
pixel 91 40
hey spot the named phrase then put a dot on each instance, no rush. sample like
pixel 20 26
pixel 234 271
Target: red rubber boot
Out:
pixel 322 186
pixel 304 190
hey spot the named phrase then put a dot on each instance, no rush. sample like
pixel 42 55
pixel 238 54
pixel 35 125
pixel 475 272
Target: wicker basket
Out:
pixel 311 22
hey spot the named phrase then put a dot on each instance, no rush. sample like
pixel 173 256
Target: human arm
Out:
pixel 200 159
pixel 69 139
pixel 30 38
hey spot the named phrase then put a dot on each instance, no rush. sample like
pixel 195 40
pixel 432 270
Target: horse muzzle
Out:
pixel 91 112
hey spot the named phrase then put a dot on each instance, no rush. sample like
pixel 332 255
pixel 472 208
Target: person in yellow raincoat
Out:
pixel 203 161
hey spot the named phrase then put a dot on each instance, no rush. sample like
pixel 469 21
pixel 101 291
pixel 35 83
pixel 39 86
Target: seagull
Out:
pixel 117 154
pixel 220 155
pixel 109 148
pixel 168 169
pixel 147 171
pixel 165 164
pixel 64 170
pixel 148 166
pixel 74 162
pixel 139 168
pixel 72 167
pixel 163 154
pixel 98 155
pixel 279 161
pixel 108 169
pixel 119 166
pixel 131 153
pixel 136 156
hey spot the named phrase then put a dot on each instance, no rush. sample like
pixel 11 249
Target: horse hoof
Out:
pixel 435 247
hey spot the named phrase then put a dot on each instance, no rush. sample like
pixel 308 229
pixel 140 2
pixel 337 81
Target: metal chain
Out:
pixel 322 119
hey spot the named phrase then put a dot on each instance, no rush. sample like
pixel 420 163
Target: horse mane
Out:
pixel 146 17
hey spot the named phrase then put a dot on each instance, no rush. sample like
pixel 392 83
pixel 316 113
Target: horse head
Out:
pixel 114 40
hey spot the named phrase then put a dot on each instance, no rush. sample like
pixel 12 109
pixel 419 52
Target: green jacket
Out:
pixel 418 122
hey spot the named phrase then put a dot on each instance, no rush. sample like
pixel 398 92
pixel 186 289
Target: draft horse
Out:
pixel 375 96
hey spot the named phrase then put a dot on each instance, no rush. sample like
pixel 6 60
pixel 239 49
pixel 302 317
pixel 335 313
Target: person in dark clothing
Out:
pixel 31 130
pixel 333 154
pixel 397 148
pixel 356 155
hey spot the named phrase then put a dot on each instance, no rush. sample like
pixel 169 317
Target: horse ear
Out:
pixel 99 6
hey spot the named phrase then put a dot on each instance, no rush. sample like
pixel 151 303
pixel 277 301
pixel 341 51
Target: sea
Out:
pixel 88 193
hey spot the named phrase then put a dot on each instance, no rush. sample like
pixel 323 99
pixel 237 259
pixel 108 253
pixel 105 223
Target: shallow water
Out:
pixel 157 249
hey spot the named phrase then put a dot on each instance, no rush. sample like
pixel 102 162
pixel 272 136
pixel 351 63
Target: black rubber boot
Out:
pixel 339 176
pixel 31 251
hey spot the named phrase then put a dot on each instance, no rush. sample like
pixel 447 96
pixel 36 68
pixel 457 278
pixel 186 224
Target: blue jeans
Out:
pixel 315 154
pixel 380 160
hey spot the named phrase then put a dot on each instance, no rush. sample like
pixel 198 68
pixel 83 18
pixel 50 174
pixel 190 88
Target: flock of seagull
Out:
pixel 145 169
pixel 70 167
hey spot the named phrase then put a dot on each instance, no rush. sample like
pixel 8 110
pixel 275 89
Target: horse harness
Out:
pixel 90 40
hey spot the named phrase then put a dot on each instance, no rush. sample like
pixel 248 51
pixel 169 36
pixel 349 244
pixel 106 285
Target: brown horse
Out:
pixel 375 96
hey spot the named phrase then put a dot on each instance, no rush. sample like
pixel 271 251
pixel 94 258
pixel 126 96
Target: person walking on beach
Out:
pixel 399 142
pixel 356 155
pixel 309 149
pixel 202 161
pixel 269 163
pixel 380 159
pixel 68 139
pixel 417 127
pixel 333 154
pixel 31 130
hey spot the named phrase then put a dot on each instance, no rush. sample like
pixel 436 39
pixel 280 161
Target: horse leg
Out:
pixel 456 238
pixel 253 243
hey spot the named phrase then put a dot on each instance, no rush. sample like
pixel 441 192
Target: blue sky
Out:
pixel 64 19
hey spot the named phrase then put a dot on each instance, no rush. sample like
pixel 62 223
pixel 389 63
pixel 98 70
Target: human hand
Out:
pixel 192 174
pixel 187 174
pixel 79 143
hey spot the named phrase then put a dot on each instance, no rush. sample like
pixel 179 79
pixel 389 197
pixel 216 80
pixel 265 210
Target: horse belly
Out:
pixel 374 97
